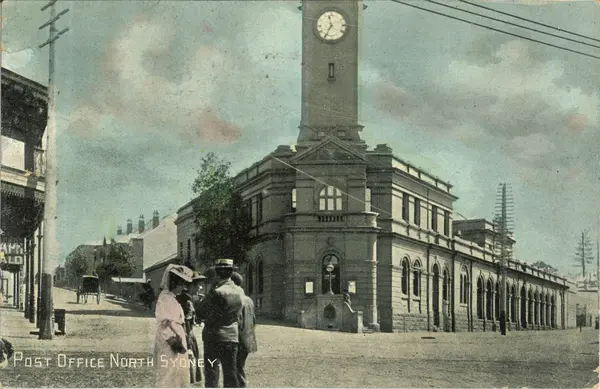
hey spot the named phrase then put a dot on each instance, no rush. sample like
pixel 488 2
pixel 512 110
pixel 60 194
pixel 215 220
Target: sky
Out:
pixel 146 88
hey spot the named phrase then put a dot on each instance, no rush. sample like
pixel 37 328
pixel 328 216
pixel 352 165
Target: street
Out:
pixel 113 342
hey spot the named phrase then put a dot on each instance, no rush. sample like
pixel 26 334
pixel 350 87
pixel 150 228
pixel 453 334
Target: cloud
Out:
pixel 515 103
pixel 213 129
pixel 18 60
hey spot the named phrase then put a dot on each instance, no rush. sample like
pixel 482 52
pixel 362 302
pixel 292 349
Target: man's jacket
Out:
pixel 220 310
pixel 247 322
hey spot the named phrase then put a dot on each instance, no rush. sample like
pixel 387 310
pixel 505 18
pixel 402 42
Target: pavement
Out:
pixel 294 357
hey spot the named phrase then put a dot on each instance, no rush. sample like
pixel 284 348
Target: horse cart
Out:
pixel 90 285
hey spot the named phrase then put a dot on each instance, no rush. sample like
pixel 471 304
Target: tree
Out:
pixel 584 255
pixel 76 265
pixel 219 213
pixel 544 266
pixel 118 262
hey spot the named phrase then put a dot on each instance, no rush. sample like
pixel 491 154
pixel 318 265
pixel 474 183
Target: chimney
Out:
pixel 129 226
pixel 155 219
pixel 119 230
pixel 141 224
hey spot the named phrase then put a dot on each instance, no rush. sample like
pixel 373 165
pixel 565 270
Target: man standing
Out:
pixel 246 322
pixel 220 310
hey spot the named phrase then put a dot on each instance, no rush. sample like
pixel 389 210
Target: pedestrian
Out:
pixel 220 310
pixel 6 352
pixel 170 344
pixel 147 296
pixel 247 338
pixel 186 300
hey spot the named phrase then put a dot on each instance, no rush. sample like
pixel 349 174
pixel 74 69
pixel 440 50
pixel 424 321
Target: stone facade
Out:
pixel 331 214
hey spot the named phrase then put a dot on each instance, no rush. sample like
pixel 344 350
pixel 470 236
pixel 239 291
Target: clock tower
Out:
pixel 330 51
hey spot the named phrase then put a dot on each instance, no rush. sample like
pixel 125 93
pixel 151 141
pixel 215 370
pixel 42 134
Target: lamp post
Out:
pixel 329 269
pixel 95 254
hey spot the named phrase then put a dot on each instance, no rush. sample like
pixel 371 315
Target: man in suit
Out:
pixel 220 310
pixel 246 322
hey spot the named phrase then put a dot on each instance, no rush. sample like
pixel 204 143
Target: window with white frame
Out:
pixel 330 199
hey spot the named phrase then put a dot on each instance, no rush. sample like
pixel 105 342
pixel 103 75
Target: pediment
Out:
pixel 330 150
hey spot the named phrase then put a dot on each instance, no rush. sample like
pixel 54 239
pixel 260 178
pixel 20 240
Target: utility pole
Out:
pixel 15 277
pixel 503 220
pixel 50 244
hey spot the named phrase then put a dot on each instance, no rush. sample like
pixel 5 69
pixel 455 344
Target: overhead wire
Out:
pixel 496 29
pixel 511 24
pixel 529 20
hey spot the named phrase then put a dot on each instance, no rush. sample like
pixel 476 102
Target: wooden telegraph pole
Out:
pixel 50 251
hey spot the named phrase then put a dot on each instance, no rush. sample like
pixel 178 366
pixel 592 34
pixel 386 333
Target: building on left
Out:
pixel 24 116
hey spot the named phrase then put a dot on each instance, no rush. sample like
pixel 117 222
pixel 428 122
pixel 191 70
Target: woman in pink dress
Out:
pixel 170 346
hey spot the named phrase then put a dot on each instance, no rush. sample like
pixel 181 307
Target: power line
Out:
pixel 529 20
pixel 511 24
pixel 495 29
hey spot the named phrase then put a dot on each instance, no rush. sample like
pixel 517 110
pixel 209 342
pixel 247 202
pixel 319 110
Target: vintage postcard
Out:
pixel 300 193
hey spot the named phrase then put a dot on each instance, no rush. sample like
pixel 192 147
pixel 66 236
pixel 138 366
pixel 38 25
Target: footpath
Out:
pixel 16 329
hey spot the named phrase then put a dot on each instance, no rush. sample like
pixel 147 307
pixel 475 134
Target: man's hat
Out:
pixel 197 277
pixel 224 263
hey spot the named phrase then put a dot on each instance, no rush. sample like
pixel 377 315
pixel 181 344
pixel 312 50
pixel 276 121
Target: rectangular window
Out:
pixel 418 212
pixel 405 207
pixel 462 288
pixel 352 286
pixel 331 75
pixel 189 249
pixel 368 200
pixel 309 287
pixel 446 223
pixel 434 218
pixel 259 216
pixel 294 200
pixel 254 214
pixel 181 249
pixel 247 209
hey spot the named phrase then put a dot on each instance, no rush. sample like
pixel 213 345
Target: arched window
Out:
pixel 464 286
pixel 513 304
pixel 332 278
pixel 497 302
pixel 404 276
pixel 489 299
pixel 260 277
pixel 330 199
pixel 445 288
pixel 480 296
pixel 250 279
pixel 542 309
pixel 417 279
pixel 530 307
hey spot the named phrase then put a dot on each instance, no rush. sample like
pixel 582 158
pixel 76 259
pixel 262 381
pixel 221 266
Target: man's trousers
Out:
pixel 224 353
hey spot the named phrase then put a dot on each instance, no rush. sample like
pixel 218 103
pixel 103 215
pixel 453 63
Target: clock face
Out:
pixel 331 26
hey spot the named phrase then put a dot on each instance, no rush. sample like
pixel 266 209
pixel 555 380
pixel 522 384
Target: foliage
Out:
pixel 544 266
pixel 118 262
pixel 584 254
pixel 219 213
pixel 76 265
